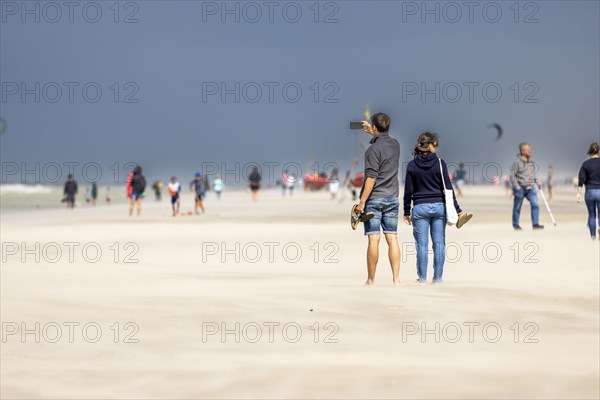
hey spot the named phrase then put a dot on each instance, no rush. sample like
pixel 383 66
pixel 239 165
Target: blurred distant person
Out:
pixel 349 180
pixel 334 184
pixel 128 186
pixel 174 188
pixel 283 182
pixel 94 193
pixel 108 195
pixel 207 186
pixel 379 194
pixel 288 182
pixel 88 196
pixel 550 182
pixel 254 180
pixel 291 183
pixel 522 179
pixel 356 181
pixel 70 191
pixel 459 178
pixel 506 182
pixel 197 186
pixel 137 186
pixel 218 186
pixel 424 188
pixel 589 175
pixel 157 187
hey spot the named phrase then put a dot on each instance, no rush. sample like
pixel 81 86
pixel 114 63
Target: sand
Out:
pixel 518 317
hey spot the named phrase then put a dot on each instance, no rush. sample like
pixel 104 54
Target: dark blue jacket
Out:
pixel 589 174
pixel 423 183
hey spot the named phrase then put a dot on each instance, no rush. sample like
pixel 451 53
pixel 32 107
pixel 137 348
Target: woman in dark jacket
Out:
pixel 254 180
pixel 136 186
pixel 424 188
pixel 589 175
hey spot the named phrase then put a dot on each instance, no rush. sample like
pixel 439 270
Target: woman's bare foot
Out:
pixel 370 282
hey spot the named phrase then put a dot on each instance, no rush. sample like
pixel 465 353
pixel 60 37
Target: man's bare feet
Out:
pixel 370 282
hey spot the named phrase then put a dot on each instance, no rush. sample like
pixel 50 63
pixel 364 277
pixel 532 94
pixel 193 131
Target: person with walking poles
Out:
pixel 522 179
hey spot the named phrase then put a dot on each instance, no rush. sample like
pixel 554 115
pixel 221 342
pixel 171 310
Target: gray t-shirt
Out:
pixel 522 173
pixel 382 160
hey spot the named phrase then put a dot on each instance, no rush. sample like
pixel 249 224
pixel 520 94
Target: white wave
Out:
pixel 20 188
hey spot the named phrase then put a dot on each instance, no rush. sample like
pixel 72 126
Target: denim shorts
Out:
pixel 136 196
pixel 386 215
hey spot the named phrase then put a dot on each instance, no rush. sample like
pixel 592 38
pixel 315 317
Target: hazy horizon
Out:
pixel 181 88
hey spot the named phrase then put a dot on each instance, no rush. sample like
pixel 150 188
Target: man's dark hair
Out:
pixel 381 122
pixel 594 149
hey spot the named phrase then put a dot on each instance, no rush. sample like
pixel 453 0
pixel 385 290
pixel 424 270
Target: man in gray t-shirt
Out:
pixel 382 161
pixel 522 179
pixel 379 194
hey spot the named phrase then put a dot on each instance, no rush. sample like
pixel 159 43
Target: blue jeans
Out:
pixel 531 196
pixel 386 215
pixel 426 218
pixel 592 201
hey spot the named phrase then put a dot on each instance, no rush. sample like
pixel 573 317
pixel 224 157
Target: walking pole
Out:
pixel 545 202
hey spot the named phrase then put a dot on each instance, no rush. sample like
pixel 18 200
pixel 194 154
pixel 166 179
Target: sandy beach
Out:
pixel 266 300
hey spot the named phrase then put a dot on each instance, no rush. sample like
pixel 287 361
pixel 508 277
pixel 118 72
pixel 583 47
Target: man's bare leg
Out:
pixel 131 205
pixel 139 207
pixel 372 258
pixel 394 255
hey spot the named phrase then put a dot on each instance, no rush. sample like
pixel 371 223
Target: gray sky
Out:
pixel 178 53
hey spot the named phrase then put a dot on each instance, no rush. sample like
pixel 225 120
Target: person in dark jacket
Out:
pixel 198 187
pixel 94 193
pixel 254 180
pixel 589 175
pixel 424 188
pixel 70 191
pixel 138 186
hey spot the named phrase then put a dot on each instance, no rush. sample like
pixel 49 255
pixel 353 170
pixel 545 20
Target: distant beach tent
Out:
pixel 498 129
pixel 315 181
pixel 358 180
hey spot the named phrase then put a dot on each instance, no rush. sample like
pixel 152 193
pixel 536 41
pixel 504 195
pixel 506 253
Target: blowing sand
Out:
pixel 517 317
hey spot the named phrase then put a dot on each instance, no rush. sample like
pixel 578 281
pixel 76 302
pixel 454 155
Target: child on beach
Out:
pixel 218 186
pixel 198 187
pixel 174 188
